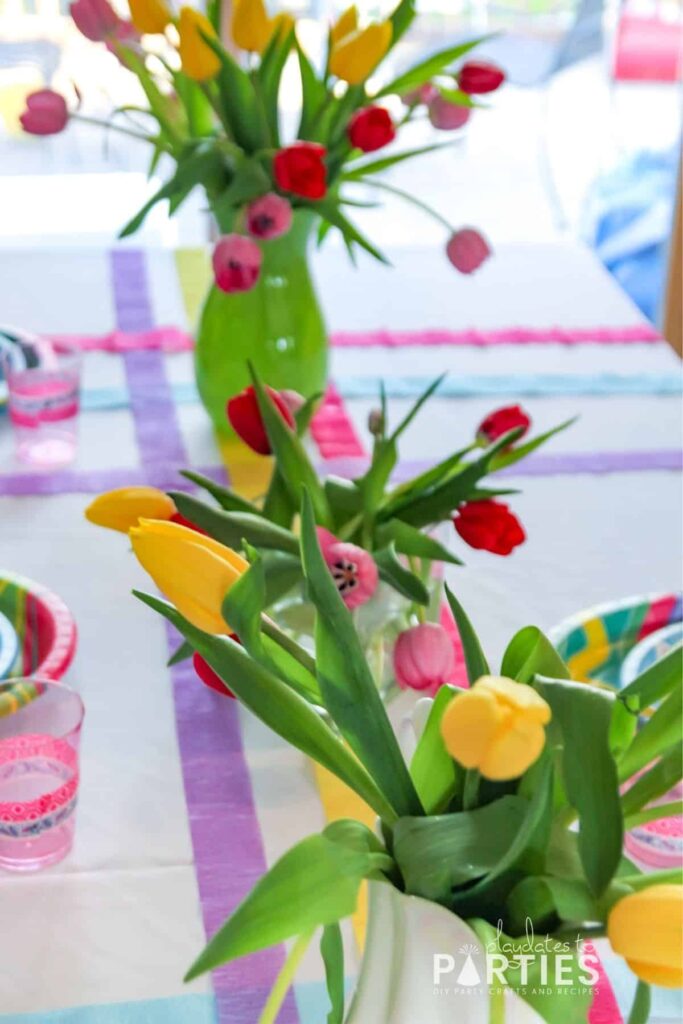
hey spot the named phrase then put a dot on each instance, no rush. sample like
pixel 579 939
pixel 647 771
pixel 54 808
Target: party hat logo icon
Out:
pixel 469 975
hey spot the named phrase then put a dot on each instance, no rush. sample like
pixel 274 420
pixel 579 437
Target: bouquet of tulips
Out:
pixel 482 820
pixel 377 541
pixel 218 118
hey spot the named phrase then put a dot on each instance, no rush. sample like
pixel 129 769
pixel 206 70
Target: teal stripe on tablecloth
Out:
pixel 602 385
pixel 186 1009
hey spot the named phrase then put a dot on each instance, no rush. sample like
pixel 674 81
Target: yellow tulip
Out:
pixel 646 928
pixel 251 27
pixel 345 25
pixel 124 507
pixel 194 571
pixel 497 726
pixel 281 24
pixel 149 16
pixel 357 55
pixel 196 57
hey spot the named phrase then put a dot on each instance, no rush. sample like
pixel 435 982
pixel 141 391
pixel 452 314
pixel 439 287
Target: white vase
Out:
pixel 397 983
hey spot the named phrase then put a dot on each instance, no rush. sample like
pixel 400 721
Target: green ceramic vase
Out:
pixel 278 325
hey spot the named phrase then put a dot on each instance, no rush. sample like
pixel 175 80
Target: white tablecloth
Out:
pixel 105 937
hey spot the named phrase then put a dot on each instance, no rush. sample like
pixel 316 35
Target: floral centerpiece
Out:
pixel 218 119
pixel 380 543
pixel 506 821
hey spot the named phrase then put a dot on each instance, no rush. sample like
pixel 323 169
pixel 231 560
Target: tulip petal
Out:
pixel 123 508
pixel 646 928
pixel 469 726
pixel 518 696
pixel 513 751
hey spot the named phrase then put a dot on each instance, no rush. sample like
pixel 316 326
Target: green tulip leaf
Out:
pixel 439 853
pixel 656 781
pixel 400 578
pixel 277 705
pixel 426 69
pixel 348 688
pixel 232 528
pixel 519 452
pixel 530 653
pixel 655 736
pixel 655 683
pixel 227 499
pixel 332 952
pixel 581 721
pixel 315 883
pixel 475 661
pixel 413 542
pixel 436 775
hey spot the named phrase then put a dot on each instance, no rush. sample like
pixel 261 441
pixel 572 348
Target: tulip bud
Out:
pixel 489 526
pixel 467 249
pixel 269 217
pixel 198 60
pixel 497 727
pixel 194 571
pixel 236 263
pixel 150 16
pixel 424 658
pixel 123 508
pixel 345 25
pixel 209 677
pixel 376 423
pixel 646 928
pixel 251 26
pixel 245 418
pixel 357 55
pixel 500 422
pixel 95 19
pixel 46 113
pixel 479 76
pixel 447 116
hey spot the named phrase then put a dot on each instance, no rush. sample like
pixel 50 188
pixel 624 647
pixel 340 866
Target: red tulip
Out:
pixel 269 217
pixel 447 116
pixel 424 658
pixel 96 19
pixel 209 677
pixel 501 421
pixel 478 76
pixel 245 418
pixel 489 526
pixel 300 169
pixel 46 113
pixel 182 521
pixel 236 263
pixel 370 129
pixel 467 249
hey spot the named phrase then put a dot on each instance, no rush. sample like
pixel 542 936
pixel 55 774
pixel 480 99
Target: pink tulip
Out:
pixel 293 400
pixel 236 263
pixel 96 19
pixel 424 94
pixel 46 113
pixel 269 217
pixel 424 658
pixel 353 569
pixel 447 116
pixel 467 250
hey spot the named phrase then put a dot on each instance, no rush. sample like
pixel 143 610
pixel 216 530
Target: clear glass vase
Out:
pixel 278 325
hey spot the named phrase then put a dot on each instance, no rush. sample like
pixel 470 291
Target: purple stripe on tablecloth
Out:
pixel 160 443
pixel 94 481
pixel 228 851
pixel 560 464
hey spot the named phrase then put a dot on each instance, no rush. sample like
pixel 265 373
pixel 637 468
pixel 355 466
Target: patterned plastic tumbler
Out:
pixel 40 727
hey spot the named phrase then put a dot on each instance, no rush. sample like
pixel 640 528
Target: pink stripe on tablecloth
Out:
pixel 174 339
pixel 332 429
pixel 604 1008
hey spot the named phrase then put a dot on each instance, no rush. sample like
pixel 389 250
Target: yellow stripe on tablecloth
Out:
pixel 583 663
pixel 193 267
pixel 341 802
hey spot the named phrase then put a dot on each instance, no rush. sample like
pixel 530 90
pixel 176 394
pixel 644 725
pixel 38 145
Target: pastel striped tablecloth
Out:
pixel 176 824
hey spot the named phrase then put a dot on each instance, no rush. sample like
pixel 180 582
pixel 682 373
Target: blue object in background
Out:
pixel 632 211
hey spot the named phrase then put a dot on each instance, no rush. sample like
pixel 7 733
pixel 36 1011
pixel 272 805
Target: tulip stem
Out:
pixel 410 199
pixel 471 791
pixel 111 127
pixel 655 813
pixel 640 1011
pixel 284 979
pixel 670 876
pixel 287 644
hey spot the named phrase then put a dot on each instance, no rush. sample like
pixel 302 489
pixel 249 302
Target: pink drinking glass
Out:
pixel 43 407
pixel 40 728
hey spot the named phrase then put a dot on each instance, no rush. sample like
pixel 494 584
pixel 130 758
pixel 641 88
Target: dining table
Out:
pixel 185 798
